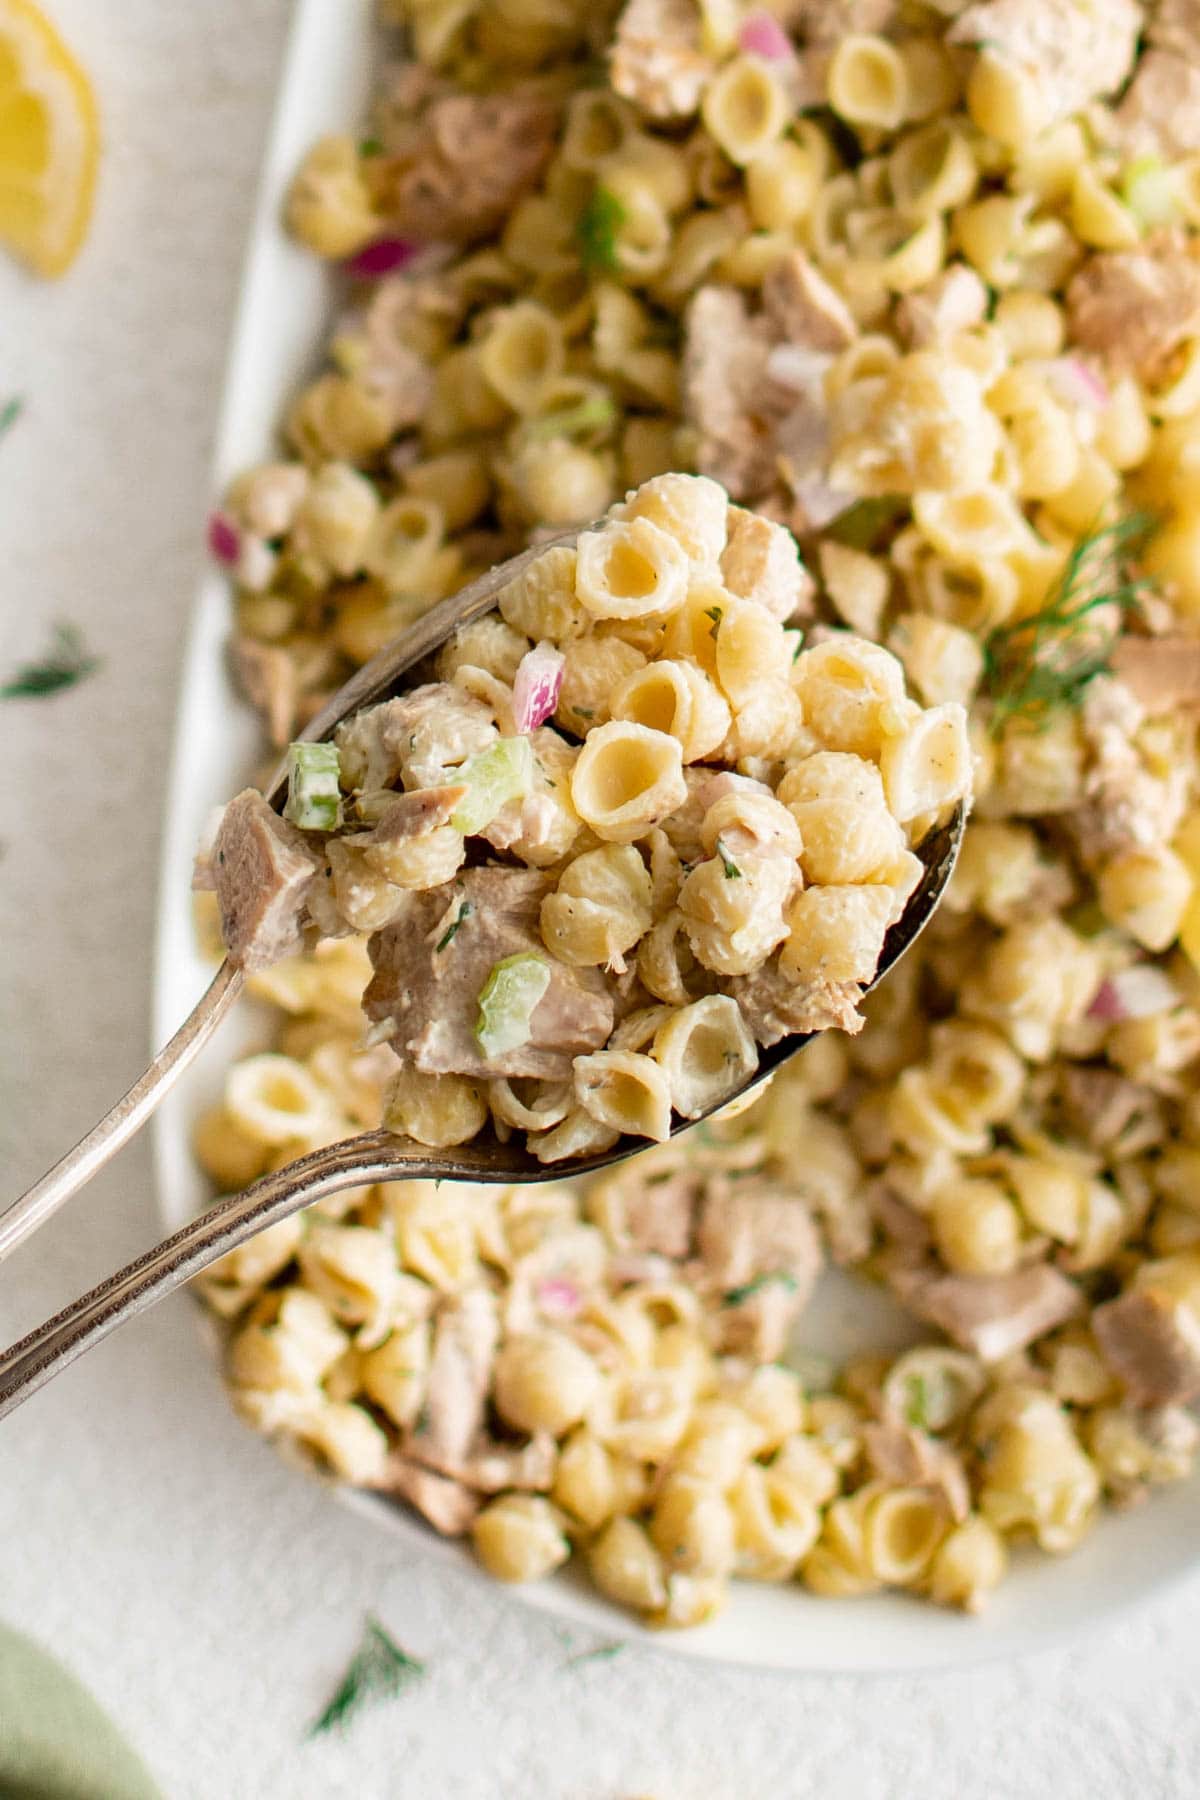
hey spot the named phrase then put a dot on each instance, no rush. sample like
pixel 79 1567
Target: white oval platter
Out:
pixel 282 317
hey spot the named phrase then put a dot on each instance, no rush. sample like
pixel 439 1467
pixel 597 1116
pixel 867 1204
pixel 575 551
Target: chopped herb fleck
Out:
pixel 916 1402
pixel 379 1670
pixel 65 664
pixel 602 1653
pixel 596 231
pixel 732 872
pixel 735 1296
pixel 10 412
pixel 584 712
pixel 716 614
pixel 370 146
pixel 464 913
pixel 1049 659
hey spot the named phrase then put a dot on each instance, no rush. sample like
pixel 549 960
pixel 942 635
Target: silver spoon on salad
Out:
pixel 646 565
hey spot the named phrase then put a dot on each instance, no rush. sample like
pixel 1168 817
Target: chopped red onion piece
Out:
pixel 1073 381
pixel 762 35
pixel 224 540
pixel 383 257
pixel 559 1298
pixel 536 687
pixel 1135 993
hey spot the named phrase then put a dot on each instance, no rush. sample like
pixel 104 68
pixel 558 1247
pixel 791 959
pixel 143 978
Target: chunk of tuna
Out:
pixel 759 1326
pixel 1174 25
pixel 473 156
pixel 826 22
pixel 1136 307
pixel 491 1468
pixel 747 1234
pixel 400 313
pixel 1152 1343
pixel 774 1007
pixel 1074 50
pixel 654 1217
pixel 448 1506
pixel 466 1333
pixel 1161 109
pixel 1126 805
pixel 906 1229
pixel 420 737
pixel 905 1457
pixel 1163 674
pixel 803 308
pixel 414 815
pixel 657 57
pixel 760 1250
pixel 953 301
pixel 432 961
pixel 1101 1105
pixel 727 394
pixel 267 676
pixel 263 870
pixel 993 1315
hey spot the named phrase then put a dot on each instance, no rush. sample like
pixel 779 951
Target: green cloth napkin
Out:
pixel 55 1743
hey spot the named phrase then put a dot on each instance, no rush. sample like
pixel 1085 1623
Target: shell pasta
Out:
pixel 917 288
pixel 483 971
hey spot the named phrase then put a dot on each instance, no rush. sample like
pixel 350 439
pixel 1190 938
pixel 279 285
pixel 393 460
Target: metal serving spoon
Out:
pixel 372 1155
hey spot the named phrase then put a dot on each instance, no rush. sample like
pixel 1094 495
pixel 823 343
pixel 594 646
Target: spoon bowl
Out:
pixel 369 1156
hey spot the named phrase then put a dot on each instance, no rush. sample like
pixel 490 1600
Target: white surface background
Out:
pixel 208 1595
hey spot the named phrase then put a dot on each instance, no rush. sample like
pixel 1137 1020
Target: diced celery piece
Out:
pixel 507 1001
pixel 1151 192
pixel 493 778
pixel 314 801
pixel 594 414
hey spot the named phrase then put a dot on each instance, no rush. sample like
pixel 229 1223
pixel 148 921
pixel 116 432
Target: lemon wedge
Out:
pixel 49 142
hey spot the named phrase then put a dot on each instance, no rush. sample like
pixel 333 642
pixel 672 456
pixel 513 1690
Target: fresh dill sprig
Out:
pixel 1046 661
pixel 596 231
pixel 10 412
pixel 65 664
pixel 379 1670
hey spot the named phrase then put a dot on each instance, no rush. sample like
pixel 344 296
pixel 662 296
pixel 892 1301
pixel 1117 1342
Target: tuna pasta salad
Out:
pixel 919 284
pixel 662 905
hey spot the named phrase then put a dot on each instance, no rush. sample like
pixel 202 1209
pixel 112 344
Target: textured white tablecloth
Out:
pixel 206 1594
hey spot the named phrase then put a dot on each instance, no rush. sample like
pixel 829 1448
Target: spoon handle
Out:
pixel 36 1359
pixel 74 1170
